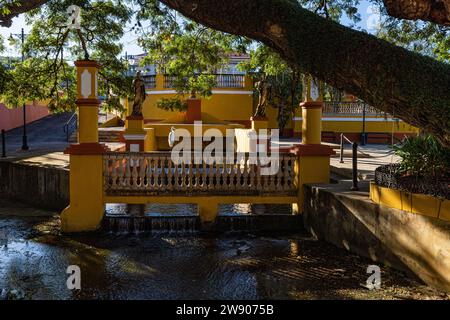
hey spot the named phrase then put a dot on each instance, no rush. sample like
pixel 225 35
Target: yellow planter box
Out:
pixel 425 205
pixel 411 202
pixel 444 213
pixel 391 198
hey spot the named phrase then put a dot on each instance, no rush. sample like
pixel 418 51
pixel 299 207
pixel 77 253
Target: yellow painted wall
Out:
pixel 226 106
pixel 229 107
pixel 381 125
pixel 240 108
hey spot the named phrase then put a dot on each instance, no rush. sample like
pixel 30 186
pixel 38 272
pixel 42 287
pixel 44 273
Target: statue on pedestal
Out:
pixel 139 95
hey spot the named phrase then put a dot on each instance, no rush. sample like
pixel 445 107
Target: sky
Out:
pixel 130 39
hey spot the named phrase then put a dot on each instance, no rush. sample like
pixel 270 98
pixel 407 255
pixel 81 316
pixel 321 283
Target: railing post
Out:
pixel 341 156
pixel 363 135
pixel 3 144
pixel 355 167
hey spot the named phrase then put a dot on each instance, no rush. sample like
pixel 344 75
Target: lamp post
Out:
pixel 24 107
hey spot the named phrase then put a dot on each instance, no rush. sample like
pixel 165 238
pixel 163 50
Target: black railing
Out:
pixel 169 81
pixel 150 81
pixel 222 81
pixel 349 108
pixel 70 126
pixel 355 150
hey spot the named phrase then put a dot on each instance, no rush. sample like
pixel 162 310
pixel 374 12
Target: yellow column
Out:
pixel 87 101
pixel 312 122
pixel 87 124
pixel 312 112
pixel 86 208
pixel 208 210
pixel 160 82
pixel 313 158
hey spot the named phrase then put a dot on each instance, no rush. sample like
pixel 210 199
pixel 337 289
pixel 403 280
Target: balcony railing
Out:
pixel 222 81
pixel 230 81
pixel 150 81
pixel 349 108
pixel 169 81
pixel 129 174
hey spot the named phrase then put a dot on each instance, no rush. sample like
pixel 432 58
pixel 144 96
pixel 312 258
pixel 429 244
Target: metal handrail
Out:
pixel 360 149
pixel 72 122
pixel 354 160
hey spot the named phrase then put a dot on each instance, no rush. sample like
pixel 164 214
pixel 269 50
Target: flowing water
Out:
pixel 34 258
pixel 122 219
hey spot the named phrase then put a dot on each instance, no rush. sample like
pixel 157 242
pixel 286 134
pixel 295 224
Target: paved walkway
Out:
pixel 47 141
pixel 370 157
pixel 44 136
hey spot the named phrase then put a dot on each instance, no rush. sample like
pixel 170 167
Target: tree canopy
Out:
pixel 305 33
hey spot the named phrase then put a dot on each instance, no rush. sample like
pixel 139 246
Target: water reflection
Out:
pixel 33 265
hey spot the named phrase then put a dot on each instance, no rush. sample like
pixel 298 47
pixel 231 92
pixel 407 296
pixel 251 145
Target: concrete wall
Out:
pixel 13 118
pixel 40 186
pixel 417 244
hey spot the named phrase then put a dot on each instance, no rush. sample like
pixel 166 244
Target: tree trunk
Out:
pixel 437 11
pixel 409 86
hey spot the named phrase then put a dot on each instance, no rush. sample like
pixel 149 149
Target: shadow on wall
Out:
pixel 413 243
pixel 13 118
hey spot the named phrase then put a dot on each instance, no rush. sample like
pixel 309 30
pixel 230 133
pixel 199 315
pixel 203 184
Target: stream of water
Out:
pixel 34 258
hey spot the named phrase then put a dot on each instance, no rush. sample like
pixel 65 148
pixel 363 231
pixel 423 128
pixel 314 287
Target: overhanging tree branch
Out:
pixel 437 11
pixel 407 85
pixel 16 8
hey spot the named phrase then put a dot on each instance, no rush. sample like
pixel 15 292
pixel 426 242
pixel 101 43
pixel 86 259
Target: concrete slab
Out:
pixel 414 243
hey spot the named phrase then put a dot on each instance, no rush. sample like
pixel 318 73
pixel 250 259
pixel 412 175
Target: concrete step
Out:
pixel 104 135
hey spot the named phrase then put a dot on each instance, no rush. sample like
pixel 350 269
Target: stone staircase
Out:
pixel 104 135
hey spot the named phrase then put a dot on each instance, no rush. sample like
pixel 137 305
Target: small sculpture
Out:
pixel 264 90
pixel 172 137
pixel 139 95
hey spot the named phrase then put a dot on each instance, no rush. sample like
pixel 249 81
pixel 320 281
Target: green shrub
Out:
pixel 423 156
pixel 172 104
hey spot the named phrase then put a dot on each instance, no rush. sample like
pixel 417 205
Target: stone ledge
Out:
pixel 417 244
